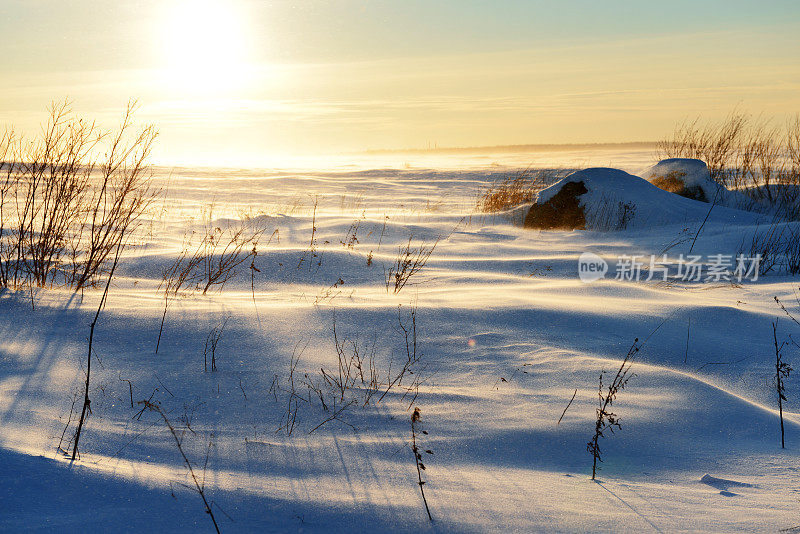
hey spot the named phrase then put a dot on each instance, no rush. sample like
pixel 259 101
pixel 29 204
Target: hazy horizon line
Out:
pixel 525 147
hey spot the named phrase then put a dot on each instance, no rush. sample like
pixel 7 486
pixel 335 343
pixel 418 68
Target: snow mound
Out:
pixel 611 199
pixel 688 178
pixel 691 178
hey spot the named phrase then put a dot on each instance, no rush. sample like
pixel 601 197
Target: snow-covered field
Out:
pixel 506 332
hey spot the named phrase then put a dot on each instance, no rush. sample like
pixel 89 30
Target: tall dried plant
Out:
pixel 63 208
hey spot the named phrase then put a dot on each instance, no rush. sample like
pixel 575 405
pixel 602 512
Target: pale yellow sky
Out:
pixel 236 82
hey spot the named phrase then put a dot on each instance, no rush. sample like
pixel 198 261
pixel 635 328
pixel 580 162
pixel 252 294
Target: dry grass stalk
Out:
pixel 86 402
pixel 606 419
pixel 199 486
pixel 211 345
pixel 311 256
pixel 410 260
pixel 782 371
pixel 416 422
pixel 357 380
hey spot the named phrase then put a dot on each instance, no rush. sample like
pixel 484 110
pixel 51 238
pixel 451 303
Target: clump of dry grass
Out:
pixel 514 189
pixel 361 375
pixel 212 340
pixel 610 215
pixel 410 260
pixel 214 261
pixel 748 154
pixel 716 143
pixel 671 182
pixel 777 246
pixel 223 250
pixel 791 251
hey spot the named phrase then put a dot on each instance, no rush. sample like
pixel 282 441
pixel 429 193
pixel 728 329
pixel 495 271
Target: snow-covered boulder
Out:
pixel 611 199
pixel 559 208
pixel 688 178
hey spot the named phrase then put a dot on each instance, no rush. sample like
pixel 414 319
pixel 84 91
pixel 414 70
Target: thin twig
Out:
pixel 200 488
pixel 567 408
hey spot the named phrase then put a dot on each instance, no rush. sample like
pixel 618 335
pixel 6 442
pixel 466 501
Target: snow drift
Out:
pixel 691 178
pixel 611 199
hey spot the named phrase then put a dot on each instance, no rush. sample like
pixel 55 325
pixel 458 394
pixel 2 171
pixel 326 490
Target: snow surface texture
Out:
pixel 508 333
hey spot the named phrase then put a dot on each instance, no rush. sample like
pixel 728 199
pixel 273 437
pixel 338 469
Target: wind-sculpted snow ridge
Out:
pixel 508 337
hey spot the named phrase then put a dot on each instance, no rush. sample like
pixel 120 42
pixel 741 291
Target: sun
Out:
pixel 204 46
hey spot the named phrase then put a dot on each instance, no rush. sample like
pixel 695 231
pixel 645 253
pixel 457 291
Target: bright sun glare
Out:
pixel 205 47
